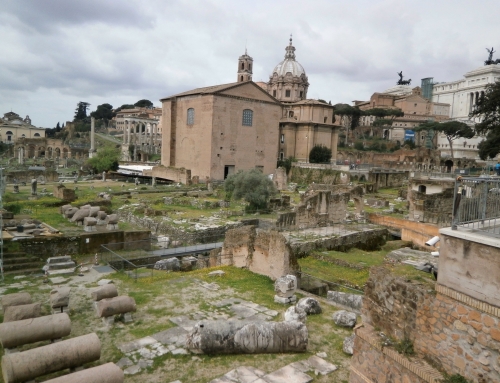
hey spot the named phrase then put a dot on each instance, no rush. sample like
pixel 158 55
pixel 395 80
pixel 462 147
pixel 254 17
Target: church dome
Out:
pixel 289 64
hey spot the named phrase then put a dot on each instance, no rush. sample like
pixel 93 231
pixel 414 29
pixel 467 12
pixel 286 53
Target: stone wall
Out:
pixel 88 243
pixel 170 173
pixel 429 207
pixel 417 232
pixel 470 263
pixel 366 240
pixel 384 178
pixel 26 175
pixel 62 192
pixel 262 252
pixel 320 205
pixel 456 333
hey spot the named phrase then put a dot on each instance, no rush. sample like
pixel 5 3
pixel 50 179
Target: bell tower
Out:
pixel 245 64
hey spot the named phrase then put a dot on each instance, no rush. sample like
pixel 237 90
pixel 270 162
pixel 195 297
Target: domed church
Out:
pixel 211 132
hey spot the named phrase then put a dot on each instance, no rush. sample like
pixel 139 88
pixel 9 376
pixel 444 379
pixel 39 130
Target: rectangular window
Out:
pixel 282 138
pixel 282 156
pixel 301 93
pixel 287 93
pixel 190 116
pixel 247 117
pixel 274 93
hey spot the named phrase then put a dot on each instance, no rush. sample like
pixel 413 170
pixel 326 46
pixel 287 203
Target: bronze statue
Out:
pixel 401 81
pixel 490 60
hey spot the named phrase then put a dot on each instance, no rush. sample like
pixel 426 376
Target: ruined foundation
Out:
pixel 104 292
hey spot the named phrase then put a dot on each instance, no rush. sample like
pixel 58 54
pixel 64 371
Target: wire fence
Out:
pixel 476 204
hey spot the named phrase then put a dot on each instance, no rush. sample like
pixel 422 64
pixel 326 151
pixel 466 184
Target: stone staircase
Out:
pixel 21 263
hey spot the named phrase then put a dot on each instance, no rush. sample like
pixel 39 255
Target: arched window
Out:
pixel 422 188
pixel 190 116
pixel 241 78
pixel 247 117
pixel 9 132
pixel 242 65
pixel 36 135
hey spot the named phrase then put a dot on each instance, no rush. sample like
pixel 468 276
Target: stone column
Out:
pixel 124 140
pixel 129 131
pixel 92 137
pixel 335 140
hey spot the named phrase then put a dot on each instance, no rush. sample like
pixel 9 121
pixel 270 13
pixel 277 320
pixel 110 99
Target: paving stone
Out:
pixel 136 344
pixel 287 374
pixel 124 362
pixel 58 280
pixel 244 374
pixel 132 370
pixel 175 336
pixel 179 351
pixel 103 282
pixel 261 308
pixel 222 379
pixel 145 363
pixel 183 321
pixel 20 277
pixel 250 304
pixel 271 313
pixel 176 381
pixel 320 366
pixel 242 311
pixel 321 354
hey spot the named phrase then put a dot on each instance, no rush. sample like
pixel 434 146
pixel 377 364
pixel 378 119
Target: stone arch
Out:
pixel 57 152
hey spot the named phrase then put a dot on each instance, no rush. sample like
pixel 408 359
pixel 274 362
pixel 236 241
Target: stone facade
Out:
pixel 472 264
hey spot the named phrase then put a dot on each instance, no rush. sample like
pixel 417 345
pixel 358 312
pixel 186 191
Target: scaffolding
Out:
pixel 427 85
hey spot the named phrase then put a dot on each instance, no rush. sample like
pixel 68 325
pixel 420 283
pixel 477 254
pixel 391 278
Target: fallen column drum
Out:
pixel 114 306
pixel 15 299
pixel 14 334
pixel 17 313
pixel 242 337
pixel 28 365
pixel 107 373
pixel 103 292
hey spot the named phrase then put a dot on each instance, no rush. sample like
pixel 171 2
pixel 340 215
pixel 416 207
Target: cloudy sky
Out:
pixel 55 53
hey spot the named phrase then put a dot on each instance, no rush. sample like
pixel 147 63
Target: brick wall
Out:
pixel 453 331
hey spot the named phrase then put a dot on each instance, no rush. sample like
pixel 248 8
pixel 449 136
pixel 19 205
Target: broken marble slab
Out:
pixel 184 322
pixel 173 336
pixel 136 344
pixel 286 374
pixel 241 374
pixel 316 364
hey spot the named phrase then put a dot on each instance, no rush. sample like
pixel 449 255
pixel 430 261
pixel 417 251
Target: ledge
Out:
pixel 471 235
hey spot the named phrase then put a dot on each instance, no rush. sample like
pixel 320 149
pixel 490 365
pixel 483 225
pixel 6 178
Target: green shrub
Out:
pixel 455 378
pixel 405 347
pixel 14 207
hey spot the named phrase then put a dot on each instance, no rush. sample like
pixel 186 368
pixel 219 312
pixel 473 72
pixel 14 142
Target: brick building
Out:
pixel 217 130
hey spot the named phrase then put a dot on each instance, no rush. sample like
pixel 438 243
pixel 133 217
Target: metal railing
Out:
pixel 476 204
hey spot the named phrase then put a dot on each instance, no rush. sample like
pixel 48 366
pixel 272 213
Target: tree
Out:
pixel 488 109
pixel 105 159
pixel 383 117
pixel 144 104
pixel 349 117
pixel 58 128
pixel 251 185
pixel 451 129
pixel 104 112
pixel 81 111
pixel 286 163
pixel 320 154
